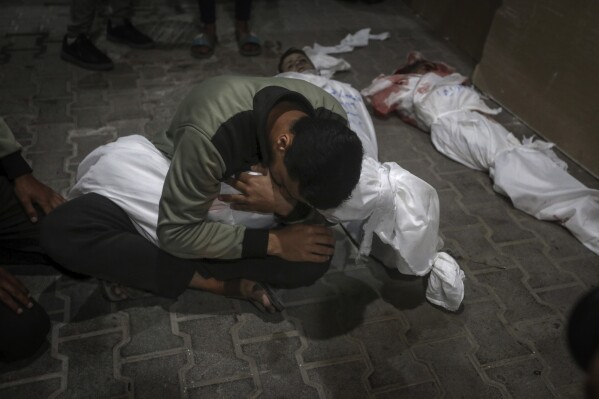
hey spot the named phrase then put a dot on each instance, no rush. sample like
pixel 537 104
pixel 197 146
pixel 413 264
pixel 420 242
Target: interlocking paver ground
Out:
pixel 361 331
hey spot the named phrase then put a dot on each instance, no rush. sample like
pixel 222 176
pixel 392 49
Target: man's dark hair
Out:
pixel 291 50
pixel 325 158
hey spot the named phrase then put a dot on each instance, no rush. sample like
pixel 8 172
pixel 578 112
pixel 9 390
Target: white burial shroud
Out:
pixel 400 208
pixel 529 173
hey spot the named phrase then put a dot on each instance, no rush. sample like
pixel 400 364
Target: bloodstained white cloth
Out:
pixel 529 173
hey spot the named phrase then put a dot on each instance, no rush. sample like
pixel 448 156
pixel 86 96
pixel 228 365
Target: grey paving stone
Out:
pixel 324 333
pixel 541 270
pixel 574 391
pixel 91 367
pixel 495 343
pixel 150 330
pixel 16 106
pixel 193 302
pixel 474 186
pixel 91 117
pixel 454 369
pixel 54 88
pixel 214 352
pixel 430 324
pixel 522 379
pixel 84 141
pixel 48 166
pixel 129 126
pixel 278 368
pixel 498 218
pixel 53 111
pixel 87 80
pixel 36 389
pixel 341 380
pixel 155 378
pixel 88 310
pixel 478 250
pixel 519 302
pixel 585 267
pixel 474 291
pixel 425 390
pixel 258 326
pixel 233 389
pixel 561 243
pixel 452 211
pixel 548 336
pixel 50 137
pixel 393 146
pixel 88 98
pixel 389 355
pixel 12 373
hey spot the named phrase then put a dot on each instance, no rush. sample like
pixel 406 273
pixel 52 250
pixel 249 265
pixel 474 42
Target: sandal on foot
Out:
pixel 202 46
pixel 273 294
pixel 233 289
pixel 249 44
pixel 115 292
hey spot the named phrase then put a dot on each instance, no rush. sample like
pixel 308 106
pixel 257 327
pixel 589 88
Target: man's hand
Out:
pixel 258 194
pixel 13 293
pixel 301 243
pixel 30 191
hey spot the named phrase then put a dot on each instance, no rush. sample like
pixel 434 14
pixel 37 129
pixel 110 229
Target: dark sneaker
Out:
pixel 83 53
pixel 129 35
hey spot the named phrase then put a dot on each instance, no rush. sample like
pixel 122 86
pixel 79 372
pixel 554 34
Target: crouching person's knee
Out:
pixel 22 334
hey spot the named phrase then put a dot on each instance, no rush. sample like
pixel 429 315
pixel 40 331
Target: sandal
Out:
pixel 263 297
pixel 115 292
pixel 202 46
pixel 249 44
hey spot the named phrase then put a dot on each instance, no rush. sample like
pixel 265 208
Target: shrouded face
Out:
pixel 296 62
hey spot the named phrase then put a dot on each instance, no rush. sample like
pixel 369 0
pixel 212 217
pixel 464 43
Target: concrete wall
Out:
pixel 541 61
pixel 465 22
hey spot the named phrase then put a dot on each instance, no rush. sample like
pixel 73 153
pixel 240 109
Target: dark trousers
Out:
pixel 92 235
pixel 243 9
pixel 20 335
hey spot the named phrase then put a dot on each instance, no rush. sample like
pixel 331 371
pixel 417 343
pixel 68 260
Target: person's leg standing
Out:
pixel 249 44
pixel 202 46
pixel 77 48
pixel 121 30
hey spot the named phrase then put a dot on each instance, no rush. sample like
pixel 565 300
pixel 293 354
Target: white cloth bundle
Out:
pixel 131 172
pixel 352 103
pixel 403 211
pixel 530 174
pixel 326 64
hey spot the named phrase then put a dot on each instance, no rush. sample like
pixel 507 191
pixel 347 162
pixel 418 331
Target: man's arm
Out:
pixel 11 162
pixel 27 188
pixel 192 183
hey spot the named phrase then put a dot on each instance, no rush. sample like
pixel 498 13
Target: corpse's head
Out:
pixel 295 60
pixel 313 160
pixel 419 65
